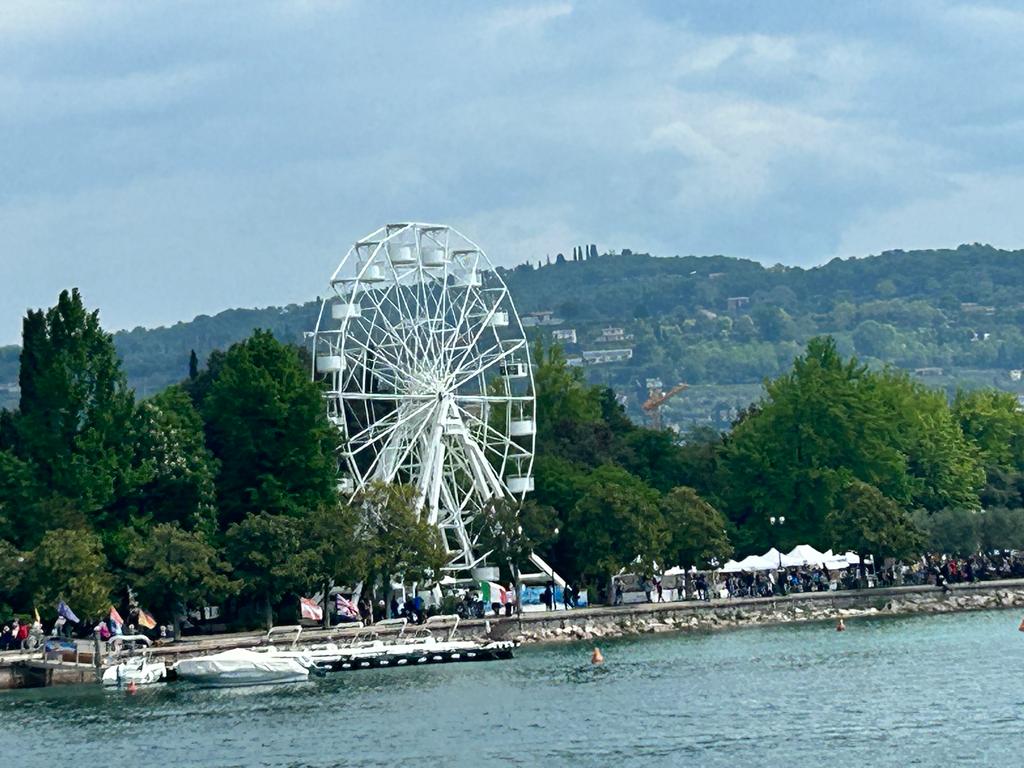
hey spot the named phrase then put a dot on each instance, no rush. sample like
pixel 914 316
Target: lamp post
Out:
pixel 780 521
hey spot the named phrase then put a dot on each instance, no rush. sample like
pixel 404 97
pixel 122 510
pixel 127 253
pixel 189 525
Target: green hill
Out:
pixel 718 323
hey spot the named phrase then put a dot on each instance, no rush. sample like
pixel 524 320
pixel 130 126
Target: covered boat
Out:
pixel 140 670
pixel 244 667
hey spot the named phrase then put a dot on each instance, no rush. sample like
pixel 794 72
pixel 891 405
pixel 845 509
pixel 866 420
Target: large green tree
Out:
pixel 266 551
pixel 174 570
pixel 179 471
pixel 69 565
pixel 268 428
pixel 696 530
pixel 72 428
pixel 616 522
pixel 866 521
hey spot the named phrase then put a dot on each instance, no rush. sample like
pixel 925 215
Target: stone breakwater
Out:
pixel 599 623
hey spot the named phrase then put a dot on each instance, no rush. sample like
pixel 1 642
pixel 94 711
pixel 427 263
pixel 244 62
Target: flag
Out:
pixel 115 619
pixel 145 620
pixel 310 610
pixel 492 593
pixel 346 608
pixel 64 610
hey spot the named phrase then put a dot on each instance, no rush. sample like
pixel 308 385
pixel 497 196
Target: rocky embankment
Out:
pixel 598 623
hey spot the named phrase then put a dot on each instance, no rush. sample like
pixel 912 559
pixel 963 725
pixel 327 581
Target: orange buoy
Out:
pixel 840 626
pixel 596 657
pixel 1021 627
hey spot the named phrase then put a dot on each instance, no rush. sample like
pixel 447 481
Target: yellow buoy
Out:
pixel 596 657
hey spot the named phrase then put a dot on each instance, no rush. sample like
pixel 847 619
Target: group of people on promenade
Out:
pixel 938 570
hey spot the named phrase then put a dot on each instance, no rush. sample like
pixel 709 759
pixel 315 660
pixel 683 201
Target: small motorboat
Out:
pixel 242 666
pixel 140 670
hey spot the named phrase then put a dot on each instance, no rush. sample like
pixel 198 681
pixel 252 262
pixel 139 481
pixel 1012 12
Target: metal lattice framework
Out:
pixel 429 377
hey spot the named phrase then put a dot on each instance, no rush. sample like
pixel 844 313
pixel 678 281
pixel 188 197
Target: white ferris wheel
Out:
pixel 428 376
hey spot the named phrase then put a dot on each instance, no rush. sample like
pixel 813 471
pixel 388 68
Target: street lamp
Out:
pixel 780 520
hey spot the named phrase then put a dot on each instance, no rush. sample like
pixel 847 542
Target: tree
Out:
pixel 402 543
pixel 994 423
pixel 951 531
pixel 175 569
pixel 73 423
pixel 179 470
pixel 616 521
pixel 265 551
pixel 818 427
pixel 268 428
pixel 335 549
pixel 696 530
pixel 867 522
pixel 512 532
pixel 69 565
pixel 193 365
pixel 12 570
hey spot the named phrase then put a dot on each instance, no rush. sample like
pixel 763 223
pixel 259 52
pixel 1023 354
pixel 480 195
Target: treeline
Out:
pixel 956 309
pixel 851 458
pixel 221 488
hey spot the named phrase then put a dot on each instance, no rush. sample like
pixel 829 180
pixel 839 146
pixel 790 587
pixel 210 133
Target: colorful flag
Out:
pixel 64 610
pixel 492 593
pixel 310 610
pixel 146 620
pixel 346 608
pixel 115 619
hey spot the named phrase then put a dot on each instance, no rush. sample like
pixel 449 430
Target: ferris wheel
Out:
pixel 428 376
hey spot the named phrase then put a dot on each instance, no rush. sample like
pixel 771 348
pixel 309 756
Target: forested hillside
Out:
pixel 718 323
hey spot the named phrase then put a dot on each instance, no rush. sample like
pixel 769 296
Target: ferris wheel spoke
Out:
pixel 484 324
pixel 493 356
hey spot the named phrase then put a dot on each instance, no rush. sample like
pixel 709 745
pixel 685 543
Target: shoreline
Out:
pixel 605 622
pixel 724 614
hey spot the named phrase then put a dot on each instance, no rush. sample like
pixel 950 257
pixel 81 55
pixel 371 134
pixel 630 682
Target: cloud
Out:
pixel 176 144
pixel 964 208
pixel 525 16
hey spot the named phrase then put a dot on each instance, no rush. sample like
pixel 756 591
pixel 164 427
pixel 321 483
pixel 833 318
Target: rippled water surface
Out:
pixel 913 691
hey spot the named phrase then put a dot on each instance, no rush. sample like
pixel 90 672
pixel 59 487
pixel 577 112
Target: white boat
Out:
pixel 138 669
pixel 241 666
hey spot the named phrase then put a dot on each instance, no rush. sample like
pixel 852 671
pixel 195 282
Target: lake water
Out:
pixel 913 691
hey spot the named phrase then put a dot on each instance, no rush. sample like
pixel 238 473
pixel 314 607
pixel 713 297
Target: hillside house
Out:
pixel 612 333
pixel 541 317
pixel 564 335
pixel 599 356
pixel 734 303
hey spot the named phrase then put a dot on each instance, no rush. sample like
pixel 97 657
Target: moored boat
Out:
pixel 241 666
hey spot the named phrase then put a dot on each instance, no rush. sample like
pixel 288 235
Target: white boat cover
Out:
pixel 241 666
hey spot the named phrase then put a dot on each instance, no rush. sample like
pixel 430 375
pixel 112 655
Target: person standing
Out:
pixel 567 596
pixel 511 599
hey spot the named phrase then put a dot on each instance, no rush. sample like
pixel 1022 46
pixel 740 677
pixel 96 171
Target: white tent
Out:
pixel 675 571
pixel 774 557
pixel 756 563
pixel 731 566
pixel 803 554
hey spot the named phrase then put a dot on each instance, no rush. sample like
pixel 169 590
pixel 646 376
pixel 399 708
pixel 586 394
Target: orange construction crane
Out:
pixel 657 398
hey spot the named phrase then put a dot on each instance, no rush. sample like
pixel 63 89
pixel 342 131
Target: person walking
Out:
pixel 567 596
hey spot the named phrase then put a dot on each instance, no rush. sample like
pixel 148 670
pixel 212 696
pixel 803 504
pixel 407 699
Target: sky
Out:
pixel 178 158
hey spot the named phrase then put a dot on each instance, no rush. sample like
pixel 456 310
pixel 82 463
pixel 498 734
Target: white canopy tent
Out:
pixel 803 555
